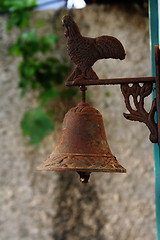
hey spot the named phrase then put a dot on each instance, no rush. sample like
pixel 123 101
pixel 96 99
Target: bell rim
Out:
pixel 120 170
pixel 53 163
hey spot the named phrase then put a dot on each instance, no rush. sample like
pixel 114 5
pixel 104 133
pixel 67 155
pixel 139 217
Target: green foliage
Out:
pixel 17 19
pixel 34 72
pixel 37 70
pixel 36 125
pixel 68 93
pixel 18 10
pixel 28 44
pixel 15 5
pixel 48 95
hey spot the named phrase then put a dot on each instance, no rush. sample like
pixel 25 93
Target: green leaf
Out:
pixel 18 19
pixel 51 38
pixel 14 50
pixel 36 125
pixel 12 5
pixel 50 113
pixel 47 95
pixel 29 36
pixel 52 60
pixel 39 24
pixel 27 71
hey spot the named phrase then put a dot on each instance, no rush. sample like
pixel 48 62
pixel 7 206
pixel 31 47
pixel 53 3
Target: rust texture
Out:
pixel 82 145
pixel 112 81
pixel 139 113
pixel 84 51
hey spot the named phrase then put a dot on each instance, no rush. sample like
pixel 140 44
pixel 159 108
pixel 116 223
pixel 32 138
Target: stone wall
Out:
pixel 56 206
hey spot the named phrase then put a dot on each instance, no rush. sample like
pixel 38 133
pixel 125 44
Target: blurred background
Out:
pixel 33 67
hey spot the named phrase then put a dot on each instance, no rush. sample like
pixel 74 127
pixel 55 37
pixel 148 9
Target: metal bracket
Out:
pixel 139 113
pixel 138 93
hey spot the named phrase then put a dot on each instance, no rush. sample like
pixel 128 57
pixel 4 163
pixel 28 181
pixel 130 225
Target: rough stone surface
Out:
pixel 52 206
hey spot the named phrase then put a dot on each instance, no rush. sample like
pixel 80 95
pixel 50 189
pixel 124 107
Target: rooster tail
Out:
pixel 110 47
pixel 121 54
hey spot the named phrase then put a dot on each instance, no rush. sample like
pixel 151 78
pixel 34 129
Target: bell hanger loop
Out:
pixel 83 89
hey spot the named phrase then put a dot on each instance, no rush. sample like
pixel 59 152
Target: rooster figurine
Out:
pixel 84 51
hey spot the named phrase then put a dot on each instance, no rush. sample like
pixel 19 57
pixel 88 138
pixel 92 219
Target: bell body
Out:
pixel 82 144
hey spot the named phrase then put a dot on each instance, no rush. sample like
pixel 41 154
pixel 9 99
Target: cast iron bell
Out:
pixel 82 145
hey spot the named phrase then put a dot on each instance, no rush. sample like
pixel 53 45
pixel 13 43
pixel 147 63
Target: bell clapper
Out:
pixel 84 176
pixel 83 90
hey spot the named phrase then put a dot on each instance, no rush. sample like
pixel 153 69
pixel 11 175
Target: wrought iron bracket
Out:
pixel 139 113
pixel 139 93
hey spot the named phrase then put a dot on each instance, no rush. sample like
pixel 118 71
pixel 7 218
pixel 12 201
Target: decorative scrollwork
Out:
pixel 140 114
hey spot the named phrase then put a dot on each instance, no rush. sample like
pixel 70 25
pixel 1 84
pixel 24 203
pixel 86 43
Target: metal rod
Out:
pixel 83 90
pixel 112 81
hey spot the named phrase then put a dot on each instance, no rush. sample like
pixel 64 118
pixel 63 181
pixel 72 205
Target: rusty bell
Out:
pixel 82 145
